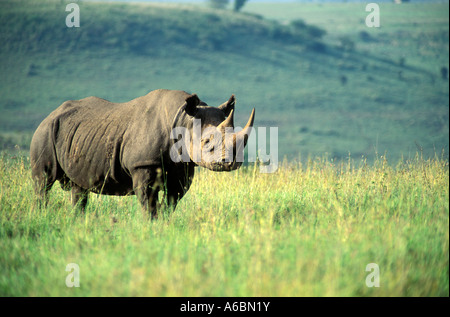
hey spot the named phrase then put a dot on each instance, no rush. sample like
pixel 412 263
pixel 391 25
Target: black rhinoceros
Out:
pixel 93 145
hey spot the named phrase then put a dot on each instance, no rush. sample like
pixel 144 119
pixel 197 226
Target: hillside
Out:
pixel 328 93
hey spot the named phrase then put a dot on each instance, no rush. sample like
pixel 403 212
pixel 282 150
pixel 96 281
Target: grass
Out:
pixel 307 230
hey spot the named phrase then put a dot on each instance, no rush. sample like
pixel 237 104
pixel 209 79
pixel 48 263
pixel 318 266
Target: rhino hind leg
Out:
pixel 79 197
pixel 42 186
pixel 44 176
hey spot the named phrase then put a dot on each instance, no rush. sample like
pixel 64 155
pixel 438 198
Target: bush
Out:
pixel 346 43
pixel 300 28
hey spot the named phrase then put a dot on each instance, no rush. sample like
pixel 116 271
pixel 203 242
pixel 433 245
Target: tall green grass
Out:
pixel 306 230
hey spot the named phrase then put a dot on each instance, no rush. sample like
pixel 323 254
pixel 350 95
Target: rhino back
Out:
pixel 148 138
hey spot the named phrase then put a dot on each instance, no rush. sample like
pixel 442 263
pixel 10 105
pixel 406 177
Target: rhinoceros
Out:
pixel 93 145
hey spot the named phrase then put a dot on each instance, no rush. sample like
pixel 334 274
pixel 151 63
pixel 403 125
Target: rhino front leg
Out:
pixel 79 197
pixel 146 188
pixel 174 194
pixel 177 184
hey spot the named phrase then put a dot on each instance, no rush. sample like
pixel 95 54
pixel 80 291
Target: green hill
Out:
pixel 329 90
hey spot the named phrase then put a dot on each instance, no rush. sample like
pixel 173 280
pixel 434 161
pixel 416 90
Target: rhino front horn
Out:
pixel 243 135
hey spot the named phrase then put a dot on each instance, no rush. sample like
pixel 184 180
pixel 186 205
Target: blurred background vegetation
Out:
pixel 332 85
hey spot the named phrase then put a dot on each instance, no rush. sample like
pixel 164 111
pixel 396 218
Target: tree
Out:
pixel 221 4
pixel 238 4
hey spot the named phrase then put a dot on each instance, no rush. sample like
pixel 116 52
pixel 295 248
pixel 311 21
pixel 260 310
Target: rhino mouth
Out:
pixel 225 167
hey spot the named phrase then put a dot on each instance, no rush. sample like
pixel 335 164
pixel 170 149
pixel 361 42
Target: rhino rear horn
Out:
pixel 228 106
pixel 192 102
pixel 228 122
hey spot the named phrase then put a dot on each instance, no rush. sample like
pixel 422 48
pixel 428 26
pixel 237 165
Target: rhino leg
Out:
pixel 174 193
pixel 79 197
pixel 42 185
pixel 146 187
pixel 44 175
pixel 177 183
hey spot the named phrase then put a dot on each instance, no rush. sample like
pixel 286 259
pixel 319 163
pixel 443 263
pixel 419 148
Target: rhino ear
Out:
pixel 226 107
pixel 191 104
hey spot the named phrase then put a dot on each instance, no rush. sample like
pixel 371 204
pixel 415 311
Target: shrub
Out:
pixel 300 28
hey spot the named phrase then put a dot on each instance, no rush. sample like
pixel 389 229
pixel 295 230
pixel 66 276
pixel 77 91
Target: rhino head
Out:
pixel 213 143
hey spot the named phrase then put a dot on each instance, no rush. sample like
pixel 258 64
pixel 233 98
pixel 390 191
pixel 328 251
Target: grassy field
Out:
pixel 308 230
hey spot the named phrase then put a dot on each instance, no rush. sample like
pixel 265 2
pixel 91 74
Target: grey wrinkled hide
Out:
pixel 118 148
